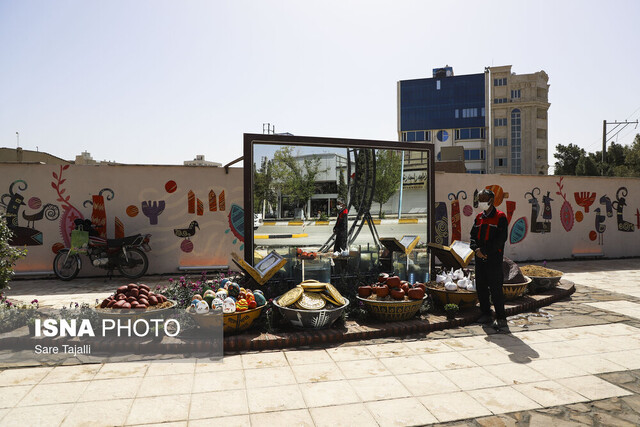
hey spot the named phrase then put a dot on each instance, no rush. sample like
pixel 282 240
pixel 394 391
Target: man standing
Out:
pixel 488 236
pixel 341 228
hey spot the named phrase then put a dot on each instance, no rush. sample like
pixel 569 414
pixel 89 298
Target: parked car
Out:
pixel 257 221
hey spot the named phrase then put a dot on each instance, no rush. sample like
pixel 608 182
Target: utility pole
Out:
pixel 605 133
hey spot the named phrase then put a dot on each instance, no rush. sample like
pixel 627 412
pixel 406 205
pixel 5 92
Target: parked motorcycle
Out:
pixel 125 255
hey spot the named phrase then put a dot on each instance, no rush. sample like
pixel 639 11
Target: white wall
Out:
pixel 211 244
pixel 558 243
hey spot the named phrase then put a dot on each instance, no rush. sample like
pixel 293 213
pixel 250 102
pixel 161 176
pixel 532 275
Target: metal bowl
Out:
pixel 311 319
pixel 541 284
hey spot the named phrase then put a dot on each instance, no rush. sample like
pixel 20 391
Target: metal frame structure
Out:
pixel 357 147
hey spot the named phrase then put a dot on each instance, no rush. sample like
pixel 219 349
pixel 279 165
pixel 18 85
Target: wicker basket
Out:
pixel 515 290
pixel 461 298
pixel 134 314
pixel 233 323
pixel 391 311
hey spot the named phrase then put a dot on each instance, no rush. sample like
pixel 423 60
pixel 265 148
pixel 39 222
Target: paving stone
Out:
pixel 582 419
pixel 608 404
pixel 633 402
pixel 496 421
pixel 579 407
pixel 541 420
pixel 557 410
pixel 610 420
pixel 618 377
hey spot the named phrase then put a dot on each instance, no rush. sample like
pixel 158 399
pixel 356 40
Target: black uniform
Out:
pixel 341 230
pixel 489 234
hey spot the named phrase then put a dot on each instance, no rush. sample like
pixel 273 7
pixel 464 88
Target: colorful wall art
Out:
pixel 121 201
pixel 559 217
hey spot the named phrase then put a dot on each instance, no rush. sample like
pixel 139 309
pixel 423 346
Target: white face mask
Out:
pixel 483 205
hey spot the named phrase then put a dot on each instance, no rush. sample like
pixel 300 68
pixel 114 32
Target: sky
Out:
pixel 158 82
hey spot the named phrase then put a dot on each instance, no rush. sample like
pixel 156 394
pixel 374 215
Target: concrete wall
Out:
pixel 568 227
pixel 572 228
pixel 136 199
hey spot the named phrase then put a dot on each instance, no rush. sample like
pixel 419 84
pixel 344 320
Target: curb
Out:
pixel 280 236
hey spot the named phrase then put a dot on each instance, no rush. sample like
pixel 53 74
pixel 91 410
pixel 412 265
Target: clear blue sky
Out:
pixel 143 81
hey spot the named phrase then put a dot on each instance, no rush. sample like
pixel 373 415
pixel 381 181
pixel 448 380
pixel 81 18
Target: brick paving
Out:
pixel 575 362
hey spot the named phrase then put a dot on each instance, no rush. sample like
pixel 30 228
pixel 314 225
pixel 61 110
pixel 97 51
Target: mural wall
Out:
pixel 550 217
pixel 194 214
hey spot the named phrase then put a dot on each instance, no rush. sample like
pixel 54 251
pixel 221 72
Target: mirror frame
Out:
pixel 251 139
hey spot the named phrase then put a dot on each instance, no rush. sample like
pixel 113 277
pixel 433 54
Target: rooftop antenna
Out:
pixel 268 129
pixel 18 138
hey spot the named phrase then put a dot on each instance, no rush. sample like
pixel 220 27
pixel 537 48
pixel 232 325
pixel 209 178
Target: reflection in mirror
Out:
pixel 336 211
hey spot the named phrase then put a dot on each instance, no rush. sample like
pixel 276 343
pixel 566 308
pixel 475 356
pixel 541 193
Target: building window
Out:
pixel 516 142
pixel 420 135
pixel 442 135
pixel 500 142
pixel 437 84
pixel 469 112
pixel 500 82
pixel 482 134
pixel 428 135
pixel 500 122
pixel 482 111
pixel 469 133
pixel 500 101
pixel 474 154
pixel 515 94
pixel 500 162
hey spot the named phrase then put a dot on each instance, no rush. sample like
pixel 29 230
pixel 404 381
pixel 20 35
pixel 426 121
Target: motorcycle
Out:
pixel 124 254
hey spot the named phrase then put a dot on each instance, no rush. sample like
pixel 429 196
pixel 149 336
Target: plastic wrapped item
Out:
pixel 450 286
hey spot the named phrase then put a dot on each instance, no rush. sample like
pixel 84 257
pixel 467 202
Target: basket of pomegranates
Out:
pixel 134 301
pixel 392 299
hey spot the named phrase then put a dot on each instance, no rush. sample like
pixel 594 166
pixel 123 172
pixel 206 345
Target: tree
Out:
pixel 298 179
pixel 342 187
pixel 587 167
pixel 632 158
pixel 264 186
pixel 568 157
pixel 387 176
pixel 8 254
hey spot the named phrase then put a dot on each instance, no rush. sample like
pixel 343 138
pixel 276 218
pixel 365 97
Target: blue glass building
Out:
pixel 451 112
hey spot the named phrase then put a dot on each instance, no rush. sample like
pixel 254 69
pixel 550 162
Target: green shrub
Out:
pixel 8 254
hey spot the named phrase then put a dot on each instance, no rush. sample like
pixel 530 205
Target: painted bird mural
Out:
pixel 187 232
pixel 52 212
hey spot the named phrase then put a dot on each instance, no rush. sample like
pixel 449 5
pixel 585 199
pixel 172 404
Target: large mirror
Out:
pixel 336 207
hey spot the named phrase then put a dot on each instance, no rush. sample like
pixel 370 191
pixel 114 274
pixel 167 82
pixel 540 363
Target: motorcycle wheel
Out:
pixel 135 263
pixel 66 266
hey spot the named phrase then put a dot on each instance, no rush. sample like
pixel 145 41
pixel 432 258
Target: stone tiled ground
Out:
pixel 576 362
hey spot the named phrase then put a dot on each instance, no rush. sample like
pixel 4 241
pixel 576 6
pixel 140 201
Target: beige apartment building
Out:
pixel 517 128
pixel 494 122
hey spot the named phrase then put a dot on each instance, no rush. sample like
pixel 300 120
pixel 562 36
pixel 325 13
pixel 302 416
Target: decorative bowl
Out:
pixel 515 290
pixel 461 298
pixel 540 284
pixel 390 311
pixel 311 319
